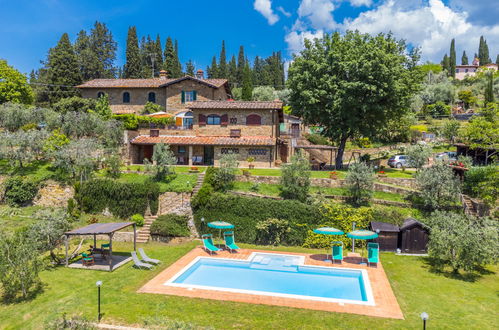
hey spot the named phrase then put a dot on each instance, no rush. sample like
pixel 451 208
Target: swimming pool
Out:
pixel 279 275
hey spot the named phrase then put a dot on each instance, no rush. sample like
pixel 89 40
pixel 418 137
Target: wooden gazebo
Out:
pixel 102 229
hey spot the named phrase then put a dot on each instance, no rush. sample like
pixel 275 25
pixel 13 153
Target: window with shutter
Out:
pixel 202 120
pixel 183 97
pixel 253 120
pixel 224 120
pixel 126 97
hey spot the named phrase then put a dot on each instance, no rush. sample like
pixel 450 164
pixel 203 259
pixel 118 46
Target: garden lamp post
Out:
pixel 424 317
pixel 202 223
pixel 353 228
pixel 98 284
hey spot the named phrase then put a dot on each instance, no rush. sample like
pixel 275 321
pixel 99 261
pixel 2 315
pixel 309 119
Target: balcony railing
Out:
pixel 161 126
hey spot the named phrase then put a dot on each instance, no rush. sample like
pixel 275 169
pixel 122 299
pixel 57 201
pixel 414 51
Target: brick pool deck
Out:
pixel 386 304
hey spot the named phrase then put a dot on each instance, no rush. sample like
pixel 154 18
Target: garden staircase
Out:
pixel 145 232
pixel 199 183
pixel 468 206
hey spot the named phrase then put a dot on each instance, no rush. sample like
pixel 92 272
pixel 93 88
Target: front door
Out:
pixel 148 151
pixel 209 155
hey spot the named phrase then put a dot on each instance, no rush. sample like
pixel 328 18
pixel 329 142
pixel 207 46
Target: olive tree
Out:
pixel 163 161
pixel 295 178
pixel 22 147
pixel 360 183
pixel 418 155
pixel 224 176
pixel 462 242
pixel 438 186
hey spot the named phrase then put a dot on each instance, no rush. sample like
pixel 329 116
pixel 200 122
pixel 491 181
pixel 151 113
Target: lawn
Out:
pixel 39 171
pixel 341 174
pixel 273 190
pixel 451 303
pixel 181 183
pixel 178 168
pixel 14 218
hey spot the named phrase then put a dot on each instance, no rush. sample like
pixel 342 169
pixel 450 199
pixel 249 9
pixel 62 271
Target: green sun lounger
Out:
pixel 373 254
pixel 208 243
pixel 229 241
pixel 337 251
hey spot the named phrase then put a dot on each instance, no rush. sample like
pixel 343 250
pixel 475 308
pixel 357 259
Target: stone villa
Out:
pixel 464 71
pixel 207 125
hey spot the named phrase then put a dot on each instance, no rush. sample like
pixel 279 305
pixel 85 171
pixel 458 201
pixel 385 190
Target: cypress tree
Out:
pixel 232 70
pixel 133 67
pixel 489 89
pixel 497 59
pixel 62 70
pixel 103 47
pixel 241 62
pixel 158 51
pixel 222 66
pixel 257 71
pixel 464 59
pixel 452 59
pixel 169 63
pixel 189 68
pixel 148 55
pixel 87 61
pixel 247 86
pixel 483 51
pixel 212 70
pixel 446 64
pixel 178 65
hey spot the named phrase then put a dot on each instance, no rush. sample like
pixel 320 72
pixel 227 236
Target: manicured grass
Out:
pixel 181 183
pixel 451 303
pixel 341 174
pixel 14 218
pixel 396 173
pixel 38 171
pixel 178 168
pixel 273 190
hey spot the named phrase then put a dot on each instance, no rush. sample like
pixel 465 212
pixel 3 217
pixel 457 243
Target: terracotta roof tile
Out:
pixel 236 105
pixel 206 140
pixel 146 83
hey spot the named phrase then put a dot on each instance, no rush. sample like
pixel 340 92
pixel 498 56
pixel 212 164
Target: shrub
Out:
pixel 418 154
pixel 438 186
pixel 171 225
pixel 132 121
pixel 271 231
pixel 315 138
pixel 163 161
pixel 152 107
pixel 20 191
pixel 224 176
pixel 138 219
pixel 75 104
pixel 360 183
pixel 483 182
pixel 113 164
pixel 295 178
pixel 122 199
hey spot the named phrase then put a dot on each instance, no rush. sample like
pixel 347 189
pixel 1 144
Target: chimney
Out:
pixel 163 74
pixel 200 74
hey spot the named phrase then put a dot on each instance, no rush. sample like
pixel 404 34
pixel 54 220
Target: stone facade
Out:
pixel 263 160
pixel 204 93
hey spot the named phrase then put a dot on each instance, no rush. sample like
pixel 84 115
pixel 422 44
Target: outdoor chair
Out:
pixel 229 241
pixel 372 254
pixel 337 251
pixel 146 258
pixel 87 260
pixel 208 243
pixel 139 264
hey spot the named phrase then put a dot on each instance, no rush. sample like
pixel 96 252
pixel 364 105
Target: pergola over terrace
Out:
pixel 320 148
pixel 102 229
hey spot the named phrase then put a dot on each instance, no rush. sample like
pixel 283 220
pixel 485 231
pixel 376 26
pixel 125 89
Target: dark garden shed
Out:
pixel 413 237
pixel 388 235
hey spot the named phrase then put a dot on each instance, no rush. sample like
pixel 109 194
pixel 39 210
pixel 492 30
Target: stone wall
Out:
pixel 408 183
pixel 266 160
pixel 52 194
pixel 204 93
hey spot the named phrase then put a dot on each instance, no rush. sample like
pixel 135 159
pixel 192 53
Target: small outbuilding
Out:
pixel 413 237
pixel 388 235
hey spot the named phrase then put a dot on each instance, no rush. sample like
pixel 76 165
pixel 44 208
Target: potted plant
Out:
pixel 246 173
pixel 194 169
pixel 381 174
pixel 250 161
pixel 333 175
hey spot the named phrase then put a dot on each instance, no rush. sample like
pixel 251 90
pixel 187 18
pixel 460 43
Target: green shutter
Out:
pixel 183 97
pixel 194 95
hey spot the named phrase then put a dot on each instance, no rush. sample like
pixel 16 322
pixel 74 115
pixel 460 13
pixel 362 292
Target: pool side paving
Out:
pixel 386 304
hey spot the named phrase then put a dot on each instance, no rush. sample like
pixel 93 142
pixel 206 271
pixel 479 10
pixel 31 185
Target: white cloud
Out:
pixel 360 3
pixel 264 7
pixel 318 13
pixel 296 39
pixel 283 11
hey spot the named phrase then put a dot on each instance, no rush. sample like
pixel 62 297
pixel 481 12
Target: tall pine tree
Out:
pixel 133 67
pixel 241 62
pixel 489 89
pixel 171 61
pixel 497 59
pixel 62 71
pixel 178 65
pixel 87 59
pixel 464 59
pixel 247 85
pixel 483 51
pixel 148 56
pixel 212 70
pixel 189 68
pixel 232 70
pixel 452 58
pixel 222 66
pixel 104 47
pixel 446 64
pixel 158 51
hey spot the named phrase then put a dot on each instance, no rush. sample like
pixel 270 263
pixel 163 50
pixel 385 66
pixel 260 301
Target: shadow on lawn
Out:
pixel 436 268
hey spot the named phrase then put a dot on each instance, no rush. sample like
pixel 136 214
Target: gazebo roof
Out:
pixel 100 228
pixel 384 227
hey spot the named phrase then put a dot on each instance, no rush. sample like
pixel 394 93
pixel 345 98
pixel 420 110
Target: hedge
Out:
pixel 246 212
pixel 171 225
pixel 132 121
pixel 19 190
pixel 122 199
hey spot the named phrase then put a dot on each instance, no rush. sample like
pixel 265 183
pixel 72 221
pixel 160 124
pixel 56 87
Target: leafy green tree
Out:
pixel 102 107
pixel 489 89
pixel 14 85
pixel 483 131
pixel 20 191
pixel 450 129
pixel 352 99
pixel 247 86
pixel 19 266
pixel 113 163
pixel 55 141
pixel 224 176
pixel 62 75
pixel 483 182
pixel 22 147
pixel 430 67
pixel 151 107
pixel 272 231
pixel 462 242
pixel 452 58
pixel 133 62
pixel 164 160
pixel 418 155
pixel 360 183
pixel 438 186
pixel 464 58
pixel 437 87
pixel 74 104
pixel 295 178
pixel 189 68
pixel 222 64
pixel 438 109
pixel 467 97
pixel 263 93
pixel 446 64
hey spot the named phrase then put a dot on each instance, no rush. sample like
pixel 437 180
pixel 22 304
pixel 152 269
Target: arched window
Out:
pixel 126 97
pixel 213 120
pixel 253 120
pixel 151 97
pixel 100 94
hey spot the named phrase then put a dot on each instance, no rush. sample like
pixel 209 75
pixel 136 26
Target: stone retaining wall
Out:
pixel 52 194
pixel 403 182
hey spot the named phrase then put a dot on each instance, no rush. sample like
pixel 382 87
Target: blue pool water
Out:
pixel 279 274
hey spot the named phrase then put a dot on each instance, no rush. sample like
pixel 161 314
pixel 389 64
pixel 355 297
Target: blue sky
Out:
pixel 30 28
